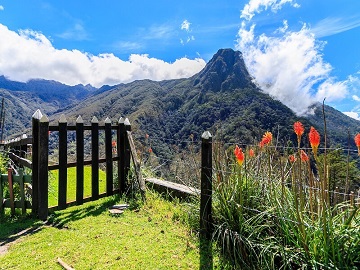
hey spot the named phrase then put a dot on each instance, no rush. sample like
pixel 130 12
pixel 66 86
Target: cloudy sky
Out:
pixel 299 51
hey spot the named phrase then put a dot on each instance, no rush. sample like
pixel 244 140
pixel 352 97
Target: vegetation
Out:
pixel 153 235
pixel 275 208
pixel 273 211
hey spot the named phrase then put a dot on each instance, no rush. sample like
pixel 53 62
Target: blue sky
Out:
pixel 299 51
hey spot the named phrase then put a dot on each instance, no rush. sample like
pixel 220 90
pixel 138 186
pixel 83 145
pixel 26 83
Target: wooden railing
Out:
pixel 39 163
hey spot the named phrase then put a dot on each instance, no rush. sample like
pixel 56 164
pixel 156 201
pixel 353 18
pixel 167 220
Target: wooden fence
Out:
pixel 38 145
pixel 40 167
pixel 17 149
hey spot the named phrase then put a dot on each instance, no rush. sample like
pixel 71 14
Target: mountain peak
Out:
pixel 225 71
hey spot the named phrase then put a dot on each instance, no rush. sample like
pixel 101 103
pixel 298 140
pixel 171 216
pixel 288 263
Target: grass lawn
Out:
pixel 71 184
pixel 151 236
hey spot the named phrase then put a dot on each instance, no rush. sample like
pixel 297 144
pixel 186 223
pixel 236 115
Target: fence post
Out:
pixel 206 186
pixel 127 152
pixel 94 158
pixel 108 156
pixel 79 160
pixel 62 162
pixel 11 191
pixel 43 167
pixel 121 153
pixel 35 162
pixel 1 195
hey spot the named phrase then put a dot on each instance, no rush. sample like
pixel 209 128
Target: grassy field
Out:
pixel 71 185
pixel 148 236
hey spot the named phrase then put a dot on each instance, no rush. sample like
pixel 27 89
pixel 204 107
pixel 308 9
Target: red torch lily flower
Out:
pixel 304 157
pixel 292 158
pixel 251 153
pixel 314 138
pixel 299 131
pixel 239 155
pixel 357 142
pixel 266 139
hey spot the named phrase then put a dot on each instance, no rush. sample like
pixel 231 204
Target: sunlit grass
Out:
pixel 148 236
pixel 71 184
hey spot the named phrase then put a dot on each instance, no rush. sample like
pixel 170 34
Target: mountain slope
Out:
pixel 222 98
pixel 21 100
pixel 49 91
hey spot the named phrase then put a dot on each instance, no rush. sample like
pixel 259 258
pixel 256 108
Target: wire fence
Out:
pixel 183 164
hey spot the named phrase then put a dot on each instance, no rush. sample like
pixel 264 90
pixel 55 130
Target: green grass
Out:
pixel 152 236
pixel 71 184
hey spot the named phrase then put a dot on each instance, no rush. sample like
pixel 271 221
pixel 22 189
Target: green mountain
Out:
pixel 21 100
pixel 222 98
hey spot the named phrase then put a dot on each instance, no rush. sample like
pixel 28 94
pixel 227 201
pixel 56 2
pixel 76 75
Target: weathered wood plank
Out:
pixel 108 155
pixel 206 186
pixel 177 190
pixel 136 162
pixel 62 192
pixel 1 193
pixel 43 184
pixel 35 161
pixel 95 158
pixel 127 152
pixel 21 161
pixel 11 191
pixel 121 155
pixel 79 160
pixel 22 192
pixel 85 200
pixel 17 204
pixel 74 164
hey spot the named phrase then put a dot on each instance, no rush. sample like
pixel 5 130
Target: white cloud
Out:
pixel 332 91
pixel 284 28
pixel 185 25
pixel 256 6
pixel 157 32
pixel 29 54
pixel 290 67
pixel 334 25
pixel 77 32
pixel 354 115
pixel 127 46
pixel 356 98
pixel 1 7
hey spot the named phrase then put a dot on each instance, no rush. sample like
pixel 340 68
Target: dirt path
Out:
pixel 4 245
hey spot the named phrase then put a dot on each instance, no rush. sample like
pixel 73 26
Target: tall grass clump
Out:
pixel 273 208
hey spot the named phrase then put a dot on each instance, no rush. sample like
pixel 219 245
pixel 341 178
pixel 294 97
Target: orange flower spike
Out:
pixel 267 138
pixel 292 158
pixel 239 155
pixel 304 157
pixel 299 130
pixel 251 153
pixel 261 144
pixel 357 142
pixel 314 138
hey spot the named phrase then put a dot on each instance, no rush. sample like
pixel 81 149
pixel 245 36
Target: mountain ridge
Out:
pixel 222 98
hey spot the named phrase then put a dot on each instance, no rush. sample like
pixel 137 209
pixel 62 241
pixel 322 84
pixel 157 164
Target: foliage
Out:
pixel 273 212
